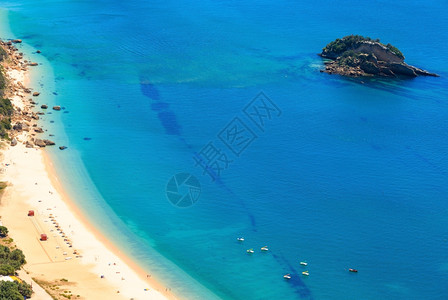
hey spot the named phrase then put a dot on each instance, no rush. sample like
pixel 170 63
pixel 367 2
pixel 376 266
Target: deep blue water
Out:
pixel 349 174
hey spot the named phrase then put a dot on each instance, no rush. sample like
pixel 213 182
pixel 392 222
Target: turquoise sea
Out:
pixel 341 174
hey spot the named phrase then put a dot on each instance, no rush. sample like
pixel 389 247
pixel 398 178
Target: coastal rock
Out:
pixel 38 130
pixel 33 64
pixel 29 144
pixel 370 67
pixel 13 142
pixel 62 147
pixel 380 51
pixel 386 71
pixel 403 69
pixel 356 56
pixel 38 51
pixel 44 106
pixel 17 41
pixel 35 94
pixel 40 143
pixel 57 107
pixel 21 127
pixel 49 143
pixel 18 126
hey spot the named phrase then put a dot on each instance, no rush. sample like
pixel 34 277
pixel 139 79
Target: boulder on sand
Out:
pixel 40 143
pixel 49 143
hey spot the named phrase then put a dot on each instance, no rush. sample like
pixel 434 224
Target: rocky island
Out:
pixel 356 56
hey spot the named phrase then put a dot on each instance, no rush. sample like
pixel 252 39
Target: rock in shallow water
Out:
pixel 40 143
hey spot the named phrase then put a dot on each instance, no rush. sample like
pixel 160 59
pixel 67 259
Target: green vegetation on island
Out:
pixel 350 42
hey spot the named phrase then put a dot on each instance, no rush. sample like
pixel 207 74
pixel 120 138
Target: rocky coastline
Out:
pixel 21 120
pixel 357 56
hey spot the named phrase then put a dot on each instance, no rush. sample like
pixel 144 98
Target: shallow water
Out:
pixel 341 175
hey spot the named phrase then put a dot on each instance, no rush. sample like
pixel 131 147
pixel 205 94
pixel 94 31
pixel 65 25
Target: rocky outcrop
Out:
pixel 40 143
pixel 21 127
pixel 49 143
pixel 366 57
pixel 380 51
pixel 370 67
pixel 14 142
pixel 44 106
pixel 35 94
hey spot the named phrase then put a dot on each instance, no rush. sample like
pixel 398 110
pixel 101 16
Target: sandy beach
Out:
pixel 75 258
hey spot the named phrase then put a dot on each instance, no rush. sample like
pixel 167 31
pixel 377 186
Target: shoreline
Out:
pixel 52 174
pixel 86 269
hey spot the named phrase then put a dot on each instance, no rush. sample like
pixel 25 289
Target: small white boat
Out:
pixel 304 263
pixel 265 248
pixel 306 273
pixel 250 251
pixel 287 276
pixel 240 239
